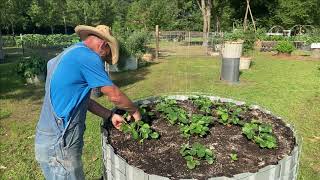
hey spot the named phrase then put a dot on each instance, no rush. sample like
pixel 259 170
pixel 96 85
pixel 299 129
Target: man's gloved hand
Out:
pixel 117 120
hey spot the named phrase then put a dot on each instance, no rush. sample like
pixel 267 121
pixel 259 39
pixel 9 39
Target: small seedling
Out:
pixel 234 156
pixel 195 153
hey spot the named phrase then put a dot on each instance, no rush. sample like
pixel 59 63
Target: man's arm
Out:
pixel 99 110
pixel 116 96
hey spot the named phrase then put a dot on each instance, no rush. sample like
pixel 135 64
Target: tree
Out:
pixel 188 16
pixel 138 14
pixel 293 12
pixel 36 13
pixel 1 50
pixel 205 7
pixel 12 14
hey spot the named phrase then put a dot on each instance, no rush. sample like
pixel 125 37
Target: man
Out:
pixel 70 78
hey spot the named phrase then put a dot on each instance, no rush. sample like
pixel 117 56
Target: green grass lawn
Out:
pixel 288 87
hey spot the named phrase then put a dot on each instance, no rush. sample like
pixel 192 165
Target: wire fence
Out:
pixel 188 43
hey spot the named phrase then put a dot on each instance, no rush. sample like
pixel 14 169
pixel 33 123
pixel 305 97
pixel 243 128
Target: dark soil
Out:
pixel 162 157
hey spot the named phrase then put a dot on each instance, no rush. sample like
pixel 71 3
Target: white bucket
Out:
pixel 244 63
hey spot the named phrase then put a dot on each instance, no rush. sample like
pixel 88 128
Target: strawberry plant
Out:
pixel 227 117
pixel 172 112
pixel 234 156
pixel 203 103
pixel 230 113
pixel 139 130
pixel 198 126
pixel 195 153
pixel 260 133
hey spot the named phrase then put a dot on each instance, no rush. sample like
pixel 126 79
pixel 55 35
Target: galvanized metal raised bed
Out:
pixel 116 168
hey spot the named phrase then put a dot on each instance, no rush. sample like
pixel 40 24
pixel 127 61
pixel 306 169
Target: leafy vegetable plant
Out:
pixel 195 153
pixel 229 115
pixel 172 112
pixel 203 103
pixel 198 125
pixel 260 133
pixel 139 130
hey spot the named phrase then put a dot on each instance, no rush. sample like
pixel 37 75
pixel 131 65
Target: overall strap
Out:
pixel 52 66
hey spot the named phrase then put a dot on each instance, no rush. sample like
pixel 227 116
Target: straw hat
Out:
pixel 104 33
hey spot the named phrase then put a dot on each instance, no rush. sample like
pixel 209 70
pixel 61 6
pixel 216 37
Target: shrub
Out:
pixel 136 42
pixel 249 40
pixel 132 44
pixel 236 35
pixel 31 66
pixel 54 40
pixel 285 47
pixel 8 41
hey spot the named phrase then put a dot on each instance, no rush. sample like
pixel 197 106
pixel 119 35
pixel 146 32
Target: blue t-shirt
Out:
pixel 79 70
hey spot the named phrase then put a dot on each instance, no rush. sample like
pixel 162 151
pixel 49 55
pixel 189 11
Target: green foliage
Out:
pixel 172 112
pixel 260 133
pixel 197 126
pixel 229 114
pixel 54 40
pixel 312 37
pixel 203 103
pixel 284 47
pixel 136 42
pixel 249 40
pixel 195 153
pixel 236 35
pixel 8 41
pixel 29 67
pixel 234 156
pixel 139 130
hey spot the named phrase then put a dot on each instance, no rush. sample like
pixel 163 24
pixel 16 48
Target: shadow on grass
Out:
pixel 13 87
pixel 122 79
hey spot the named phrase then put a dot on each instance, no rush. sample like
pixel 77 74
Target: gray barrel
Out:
pixel 231 53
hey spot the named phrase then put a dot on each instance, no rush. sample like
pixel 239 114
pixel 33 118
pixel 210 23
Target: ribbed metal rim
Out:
pixel 116 168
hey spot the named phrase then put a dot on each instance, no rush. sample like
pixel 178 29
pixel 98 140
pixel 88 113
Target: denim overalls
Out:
pixel 58 149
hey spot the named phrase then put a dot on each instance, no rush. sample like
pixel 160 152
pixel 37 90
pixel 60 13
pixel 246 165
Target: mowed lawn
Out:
pixel 288 87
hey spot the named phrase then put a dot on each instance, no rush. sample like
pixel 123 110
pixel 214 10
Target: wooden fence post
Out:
pixel 157 42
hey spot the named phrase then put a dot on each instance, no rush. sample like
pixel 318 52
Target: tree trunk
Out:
pixel 1 50
pixel 12 28
pixel 217 24
pixel 205 8
pixel 65 25
pixel 51 27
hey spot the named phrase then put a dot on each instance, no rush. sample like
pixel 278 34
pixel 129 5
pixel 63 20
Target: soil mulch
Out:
pixel 162 157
